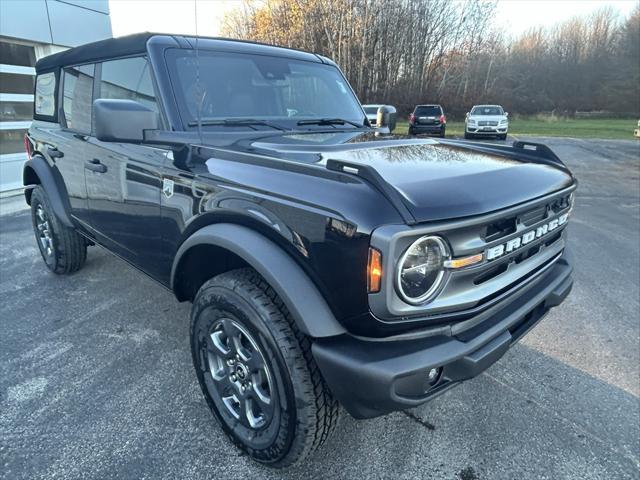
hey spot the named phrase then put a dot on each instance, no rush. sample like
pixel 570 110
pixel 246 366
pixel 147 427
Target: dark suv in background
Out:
pixel 326 264
pixel 428 119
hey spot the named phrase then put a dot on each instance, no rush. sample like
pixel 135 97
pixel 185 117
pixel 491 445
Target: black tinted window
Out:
pixel 45 99
pixel 78 93
pixel 428 111
pixel 128 79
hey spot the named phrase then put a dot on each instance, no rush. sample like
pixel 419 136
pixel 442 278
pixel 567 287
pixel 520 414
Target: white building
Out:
pixel 30 30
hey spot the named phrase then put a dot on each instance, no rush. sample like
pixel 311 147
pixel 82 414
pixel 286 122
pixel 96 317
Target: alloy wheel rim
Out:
pixel 44 231
pixel 241 378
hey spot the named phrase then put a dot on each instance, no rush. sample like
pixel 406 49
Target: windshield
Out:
pixel 370 110
pixel 280 90
pixel 487 111
pixel 428 111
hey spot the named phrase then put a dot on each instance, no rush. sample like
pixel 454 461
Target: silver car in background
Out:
pixel 371 111
pixel 486 120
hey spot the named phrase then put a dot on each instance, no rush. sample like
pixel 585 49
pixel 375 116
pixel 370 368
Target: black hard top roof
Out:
pixel 137 44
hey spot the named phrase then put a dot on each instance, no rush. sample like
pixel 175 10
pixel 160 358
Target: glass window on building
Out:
pixel 77 100
pixel 128 79
pixel 17 75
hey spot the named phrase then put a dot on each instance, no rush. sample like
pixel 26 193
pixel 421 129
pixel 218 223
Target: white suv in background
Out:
pixel 486 120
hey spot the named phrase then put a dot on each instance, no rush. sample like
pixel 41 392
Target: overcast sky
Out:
pixel 179 16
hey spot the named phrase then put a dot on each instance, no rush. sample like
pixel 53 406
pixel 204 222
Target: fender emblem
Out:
pixel 167 187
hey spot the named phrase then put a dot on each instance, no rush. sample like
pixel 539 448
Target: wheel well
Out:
pixel 29 177
pixel 199 264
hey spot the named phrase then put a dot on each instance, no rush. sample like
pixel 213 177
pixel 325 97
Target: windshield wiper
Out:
pixel 329 121
pixel 230 122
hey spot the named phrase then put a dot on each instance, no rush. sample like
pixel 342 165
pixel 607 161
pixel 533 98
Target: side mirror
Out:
pixel 506 114
pixel 123 121
pixel 386 119
pixel 467 114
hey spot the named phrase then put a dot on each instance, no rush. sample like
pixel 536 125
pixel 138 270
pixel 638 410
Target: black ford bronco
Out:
pixel 328 263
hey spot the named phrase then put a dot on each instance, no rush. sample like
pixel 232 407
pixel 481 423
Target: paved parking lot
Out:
pixel 96 378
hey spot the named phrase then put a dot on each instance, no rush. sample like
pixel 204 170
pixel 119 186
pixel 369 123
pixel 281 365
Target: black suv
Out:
pixel 429 119
pixel 327 264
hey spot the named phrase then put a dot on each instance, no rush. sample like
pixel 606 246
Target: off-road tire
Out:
pixel 310 413
pixel 68 252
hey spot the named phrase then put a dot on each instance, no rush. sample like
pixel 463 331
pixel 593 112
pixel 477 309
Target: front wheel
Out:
pixel 256 370
pixel 503 137
pixel 467 135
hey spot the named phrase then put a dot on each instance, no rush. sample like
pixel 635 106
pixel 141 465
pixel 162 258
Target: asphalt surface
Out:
pixel 96 378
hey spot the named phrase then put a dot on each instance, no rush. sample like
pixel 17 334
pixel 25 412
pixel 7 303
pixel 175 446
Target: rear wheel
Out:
pixel 442 133
pixel 256 370
pixel 62 248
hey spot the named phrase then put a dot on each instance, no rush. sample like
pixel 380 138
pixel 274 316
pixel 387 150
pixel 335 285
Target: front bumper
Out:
pixel 372 377
pixel 491 130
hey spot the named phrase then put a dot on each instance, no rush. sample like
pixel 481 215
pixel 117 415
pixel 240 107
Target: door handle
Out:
pixel 54 152
pixel 95 166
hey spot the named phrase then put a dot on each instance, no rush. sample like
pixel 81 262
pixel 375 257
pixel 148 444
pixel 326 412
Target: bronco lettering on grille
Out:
pixel 515 243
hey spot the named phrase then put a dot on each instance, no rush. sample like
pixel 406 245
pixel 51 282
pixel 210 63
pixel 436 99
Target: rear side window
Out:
pixel 128 79
pixel 428 111
pixel 77 98
pixel 45 97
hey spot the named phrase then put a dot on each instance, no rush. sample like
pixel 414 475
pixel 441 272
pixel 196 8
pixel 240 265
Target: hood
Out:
pixel 436 180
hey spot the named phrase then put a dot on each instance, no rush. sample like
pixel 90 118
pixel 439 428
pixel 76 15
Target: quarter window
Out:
pixel 78 93
pixel 128 79
pixel 45 94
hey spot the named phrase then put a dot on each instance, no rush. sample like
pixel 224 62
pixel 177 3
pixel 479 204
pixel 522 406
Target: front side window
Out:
pixel 45 100
pixel 78 94
pixel 128 79
pixel 221 86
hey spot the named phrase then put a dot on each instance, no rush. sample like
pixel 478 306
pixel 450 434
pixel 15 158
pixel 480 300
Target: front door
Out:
pixel 124 181
pixel 124 186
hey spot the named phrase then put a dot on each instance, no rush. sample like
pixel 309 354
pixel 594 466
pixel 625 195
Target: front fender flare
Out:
pixel 294 287
pixel 52 184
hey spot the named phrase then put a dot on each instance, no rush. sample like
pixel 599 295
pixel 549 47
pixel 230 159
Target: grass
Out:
pixel 554 127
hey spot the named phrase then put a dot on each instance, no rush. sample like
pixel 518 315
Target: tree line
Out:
pixel 406 52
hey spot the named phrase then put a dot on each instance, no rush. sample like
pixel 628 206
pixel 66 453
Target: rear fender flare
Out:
pixel 303 300
pixel 52 184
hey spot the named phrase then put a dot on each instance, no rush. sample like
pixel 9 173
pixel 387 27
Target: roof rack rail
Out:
pixel 371 175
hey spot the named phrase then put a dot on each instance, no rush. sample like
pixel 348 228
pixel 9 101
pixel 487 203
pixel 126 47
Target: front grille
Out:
pixel 486 123
pixel 476 286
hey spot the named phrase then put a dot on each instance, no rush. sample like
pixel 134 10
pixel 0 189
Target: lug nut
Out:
pixel 243 388
pixel 233 378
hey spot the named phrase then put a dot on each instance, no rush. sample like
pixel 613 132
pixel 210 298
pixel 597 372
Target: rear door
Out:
pixel 124 180
pixel 68 151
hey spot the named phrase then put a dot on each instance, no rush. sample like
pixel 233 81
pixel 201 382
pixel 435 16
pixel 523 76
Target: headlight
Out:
pixel 471 121
pixel 503 121
pixel 421 269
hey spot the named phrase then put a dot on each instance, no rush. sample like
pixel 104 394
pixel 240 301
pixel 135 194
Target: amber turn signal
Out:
pixel 464 261
pixel 374 271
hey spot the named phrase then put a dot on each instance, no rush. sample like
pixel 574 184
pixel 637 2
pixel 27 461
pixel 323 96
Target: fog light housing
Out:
pixel 433 375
